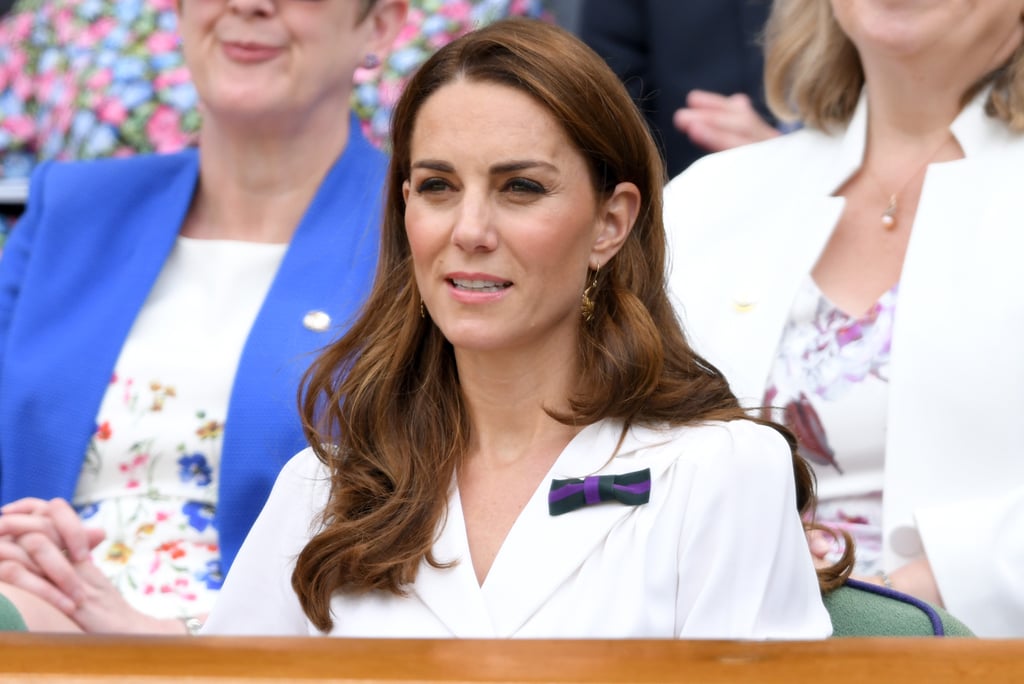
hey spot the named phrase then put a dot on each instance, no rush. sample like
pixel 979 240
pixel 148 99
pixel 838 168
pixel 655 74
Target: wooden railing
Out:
pixel 87 659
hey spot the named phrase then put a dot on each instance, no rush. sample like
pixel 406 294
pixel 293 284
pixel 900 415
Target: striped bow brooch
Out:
pixel 631 489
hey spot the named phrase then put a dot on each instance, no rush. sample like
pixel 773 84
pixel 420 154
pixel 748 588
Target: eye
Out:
pixel 525 186
pixel 432 185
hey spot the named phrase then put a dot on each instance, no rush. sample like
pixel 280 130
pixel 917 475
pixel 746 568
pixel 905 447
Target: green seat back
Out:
pixel 860 609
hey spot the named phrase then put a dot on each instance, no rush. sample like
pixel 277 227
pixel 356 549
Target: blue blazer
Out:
pixel 77 269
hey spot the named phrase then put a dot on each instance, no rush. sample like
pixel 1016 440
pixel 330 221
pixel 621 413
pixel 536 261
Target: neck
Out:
pixel 256 182
pixel 506 402
pixel 908 111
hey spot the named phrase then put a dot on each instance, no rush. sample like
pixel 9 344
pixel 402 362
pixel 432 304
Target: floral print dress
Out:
pixel 150 474
pixel 829 384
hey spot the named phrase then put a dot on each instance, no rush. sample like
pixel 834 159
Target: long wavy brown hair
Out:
pixel 382 406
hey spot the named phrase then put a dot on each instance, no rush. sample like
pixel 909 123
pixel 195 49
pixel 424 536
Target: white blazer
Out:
pixel 718 552
pixel 747 226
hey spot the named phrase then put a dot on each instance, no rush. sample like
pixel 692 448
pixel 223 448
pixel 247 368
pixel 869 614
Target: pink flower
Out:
pixel 95 32
pixel 19 126
pixel 132 484
pixel 16 61
pixel 22 87
pixel 64 26
pixel 409 31
pixel 21 27
pixel 164 130
pixel 112 111
pixel 162 5
pixel 172 77
pixel 161 42
pixel 460 11
pixel 99 79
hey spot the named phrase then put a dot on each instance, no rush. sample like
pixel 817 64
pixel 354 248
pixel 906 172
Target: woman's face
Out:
pixel 503 220
pixel 981 33
pixel 277 58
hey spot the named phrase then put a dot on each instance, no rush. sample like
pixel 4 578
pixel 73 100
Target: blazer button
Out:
pixel 317 321
pixel 906 541
pixel 743 299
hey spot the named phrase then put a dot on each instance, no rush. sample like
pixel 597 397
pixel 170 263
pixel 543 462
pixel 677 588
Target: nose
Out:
pixel 249 8
pixel 474 230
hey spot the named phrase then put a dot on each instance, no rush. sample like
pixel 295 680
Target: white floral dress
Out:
pixel 829 384
pixel 150 474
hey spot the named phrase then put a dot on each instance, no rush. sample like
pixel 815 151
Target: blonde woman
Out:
pixel 862 277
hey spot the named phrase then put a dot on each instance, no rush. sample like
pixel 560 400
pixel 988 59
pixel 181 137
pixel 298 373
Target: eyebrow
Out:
pixel 496 169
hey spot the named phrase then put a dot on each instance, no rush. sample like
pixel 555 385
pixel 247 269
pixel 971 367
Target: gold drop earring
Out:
pixel 587 302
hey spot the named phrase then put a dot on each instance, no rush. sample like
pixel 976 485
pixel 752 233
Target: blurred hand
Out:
pixel 820 543
pixel 915 578
pixel 40 542
pixel 719 122
pixel 45 550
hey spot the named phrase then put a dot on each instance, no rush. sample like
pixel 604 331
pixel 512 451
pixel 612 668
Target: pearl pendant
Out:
pixel 889 215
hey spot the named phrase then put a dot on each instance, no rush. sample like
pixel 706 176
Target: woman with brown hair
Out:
pixel 514 438
pixel 862 275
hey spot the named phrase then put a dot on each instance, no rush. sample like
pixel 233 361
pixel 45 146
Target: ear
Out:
pixel 386 19
pixel 405 191
pixel 616 217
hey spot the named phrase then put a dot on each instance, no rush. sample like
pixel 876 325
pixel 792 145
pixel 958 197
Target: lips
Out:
pixel 249 51
pixel 472 285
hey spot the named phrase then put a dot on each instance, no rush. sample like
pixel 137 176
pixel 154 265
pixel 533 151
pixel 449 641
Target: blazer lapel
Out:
pixel 541 550
pixel 134 231
pixel 452 594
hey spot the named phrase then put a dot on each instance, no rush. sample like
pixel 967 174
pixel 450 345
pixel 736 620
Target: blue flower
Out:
pixel 433 25
pixel 165 61
pixel 194 468
pixel 133 94
pixel 129 69
pixel 199 514
pixel 408 58
pixel 49 60
pixel 90 10
pixel 213 576
pixel 367 94
pixel 167 21
pixel 82 123
pixel 117 38
pixel 88 510
pixel 128 10
pixel 101 141
pixel 106 58
pixel 182 97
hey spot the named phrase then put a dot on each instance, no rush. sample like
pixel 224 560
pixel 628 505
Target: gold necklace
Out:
pixel 889 215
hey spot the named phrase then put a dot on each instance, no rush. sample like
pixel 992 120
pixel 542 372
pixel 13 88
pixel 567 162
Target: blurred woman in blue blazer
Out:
pixel 157 312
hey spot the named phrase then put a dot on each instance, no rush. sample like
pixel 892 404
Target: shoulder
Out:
pixel 304 471
pixel 110 179
pixel 718 447
pixel 762 164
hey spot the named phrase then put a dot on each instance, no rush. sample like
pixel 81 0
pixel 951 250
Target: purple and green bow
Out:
pixel 631 489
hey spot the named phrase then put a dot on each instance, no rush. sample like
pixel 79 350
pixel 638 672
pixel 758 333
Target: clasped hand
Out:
pixel 45 551
pixel 915 578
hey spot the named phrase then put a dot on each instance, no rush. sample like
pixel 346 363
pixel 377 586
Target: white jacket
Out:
pixel 717 552
pixel 746 227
